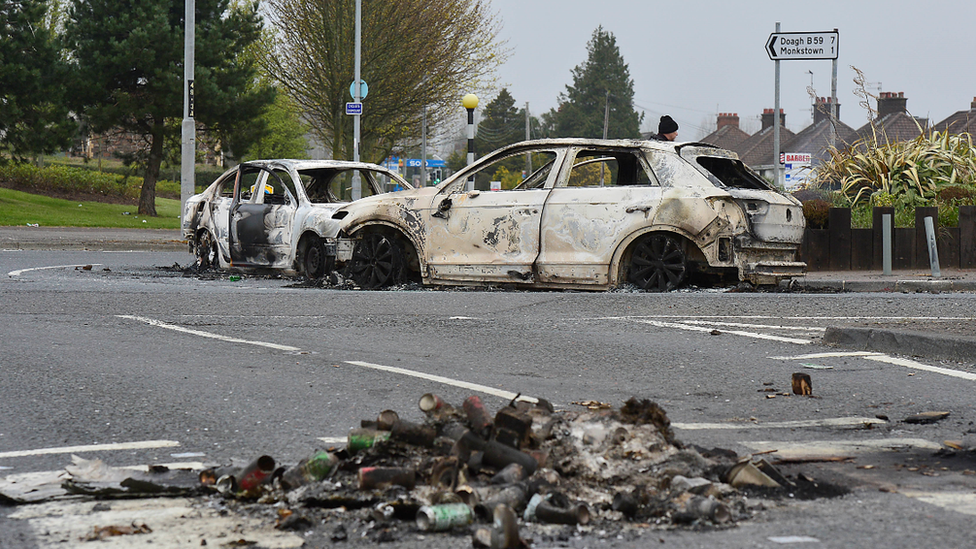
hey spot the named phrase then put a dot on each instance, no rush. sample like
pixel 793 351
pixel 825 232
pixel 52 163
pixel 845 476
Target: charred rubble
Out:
pixel 485 475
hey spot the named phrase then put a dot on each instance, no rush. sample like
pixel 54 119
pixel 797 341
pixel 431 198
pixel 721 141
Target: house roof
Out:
pixel 815 140
pixel 958 122
pixel 726 137
pixel 897 126
pixel 758 149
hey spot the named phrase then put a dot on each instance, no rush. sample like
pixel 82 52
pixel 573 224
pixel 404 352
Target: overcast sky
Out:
pixel 694 59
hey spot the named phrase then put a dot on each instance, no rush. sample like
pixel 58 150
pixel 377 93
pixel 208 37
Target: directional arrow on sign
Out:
pixel 770 46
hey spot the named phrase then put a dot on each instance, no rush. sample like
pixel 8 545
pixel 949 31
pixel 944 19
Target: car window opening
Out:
pixel 726 172
pixel 607 169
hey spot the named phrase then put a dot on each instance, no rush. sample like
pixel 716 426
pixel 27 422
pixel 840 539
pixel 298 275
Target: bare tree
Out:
pixel 414 53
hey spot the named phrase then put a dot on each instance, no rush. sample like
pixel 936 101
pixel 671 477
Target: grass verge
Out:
pixel 21 208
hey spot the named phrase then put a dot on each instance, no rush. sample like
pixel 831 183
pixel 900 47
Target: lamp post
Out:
pixel 189 128
pixel 470 103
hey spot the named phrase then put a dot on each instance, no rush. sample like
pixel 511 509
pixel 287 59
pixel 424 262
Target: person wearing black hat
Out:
pixel 667 129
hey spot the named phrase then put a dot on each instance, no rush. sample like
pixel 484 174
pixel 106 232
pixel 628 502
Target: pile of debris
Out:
pixel 524 472
pixel 526 464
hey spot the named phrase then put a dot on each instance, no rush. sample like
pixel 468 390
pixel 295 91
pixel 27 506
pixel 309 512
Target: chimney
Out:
pixel 821 110
pixel 767 118
pixel 972 106
pixel 891 102
pixel 727 119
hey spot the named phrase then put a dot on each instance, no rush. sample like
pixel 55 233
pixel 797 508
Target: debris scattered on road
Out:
pixel 802 384
pixel 104 532
pixel 500 477
pixel 926 417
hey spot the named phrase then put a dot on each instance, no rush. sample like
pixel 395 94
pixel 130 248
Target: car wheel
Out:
pixel 377 262
pixel 207 257
pixel 658 264
pixel 315 262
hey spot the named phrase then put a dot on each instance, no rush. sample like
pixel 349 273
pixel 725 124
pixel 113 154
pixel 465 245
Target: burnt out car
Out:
pixel 277 214
pixel 589 214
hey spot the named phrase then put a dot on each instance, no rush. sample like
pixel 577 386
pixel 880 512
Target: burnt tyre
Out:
pixel 315 263
pixel 377 262
pixel 207 251
pixel 658 264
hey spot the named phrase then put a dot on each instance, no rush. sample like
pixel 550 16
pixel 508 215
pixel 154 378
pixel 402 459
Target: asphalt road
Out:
pixel 132 350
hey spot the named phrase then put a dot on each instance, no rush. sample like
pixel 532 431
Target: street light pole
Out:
pixel 470 103
pixel 357 191
pixel 189 138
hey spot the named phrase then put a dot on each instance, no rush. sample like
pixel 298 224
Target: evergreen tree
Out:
pixel 128 61
pixel 33 117
pixel 602 78
pixel 501 124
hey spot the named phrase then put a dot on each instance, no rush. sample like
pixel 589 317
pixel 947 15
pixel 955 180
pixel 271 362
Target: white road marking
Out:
pixel 682 326
pixel 22 271
pixel 439 379
pixel 334 440
pixel 960 502
pixel 141 445
pixel 773 317
pixel 746 325
pixel 881 357
pixel 445 380
pixel 919 366
pixel 828 422
pixel 831 354
pixel 175 522
pixel 201 333
pixel 822 449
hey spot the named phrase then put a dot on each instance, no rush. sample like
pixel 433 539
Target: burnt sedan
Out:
pixel 589 214
pixel 277 214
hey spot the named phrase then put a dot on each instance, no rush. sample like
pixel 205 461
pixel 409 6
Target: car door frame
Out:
pixel 259 234
pixel 507 224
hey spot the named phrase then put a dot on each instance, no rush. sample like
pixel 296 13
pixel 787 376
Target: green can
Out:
pixel 311 469
pixel 360 439
pixel 444 516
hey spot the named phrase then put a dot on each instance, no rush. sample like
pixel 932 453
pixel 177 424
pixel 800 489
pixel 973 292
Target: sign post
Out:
pixel 793 46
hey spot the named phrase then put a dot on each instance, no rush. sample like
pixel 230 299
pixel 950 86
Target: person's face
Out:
pixel 671 136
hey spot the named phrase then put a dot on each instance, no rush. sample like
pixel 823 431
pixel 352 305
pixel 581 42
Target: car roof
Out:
pixel 299 165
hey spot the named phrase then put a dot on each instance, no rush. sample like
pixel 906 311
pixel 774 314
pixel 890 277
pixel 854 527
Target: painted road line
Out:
pixel 173 522
pixel 746 325
pixel 445 380
pixel 919 366
pixel 141 445
pixel 210 335
pixel 822 449
pixel 334 440
pixel 22 271
pixel 682 326
pixel 960 502
pixel 828 422
pixel 772 317
pixel 881 357
pixel 833 354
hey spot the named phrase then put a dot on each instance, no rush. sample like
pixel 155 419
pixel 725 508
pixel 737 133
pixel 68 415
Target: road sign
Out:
pixel 788 46
pixel 354 108
pixel 363 89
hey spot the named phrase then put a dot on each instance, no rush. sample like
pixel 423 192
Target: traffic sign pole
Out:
pixel 776 168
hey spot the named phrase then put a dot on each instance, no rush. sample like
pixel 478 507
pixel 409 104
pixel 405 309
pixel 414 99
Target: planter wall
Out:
pixel 841 248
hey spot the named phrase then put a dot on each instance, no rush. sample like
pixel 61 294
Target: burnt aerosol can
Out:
pixel 256 473
pixel 360 439
pixel 444 516
pixel 311 469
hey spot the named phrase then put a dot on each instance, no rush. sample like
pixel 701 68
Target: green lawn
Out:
pixel 20 208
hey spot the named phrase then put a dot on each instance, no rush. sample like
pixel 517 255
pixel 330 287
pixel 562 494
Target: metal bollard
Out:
pixel 933 247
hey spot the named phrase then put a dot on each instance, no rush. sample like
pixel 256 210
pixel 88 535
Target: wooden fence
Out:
pixel 841 248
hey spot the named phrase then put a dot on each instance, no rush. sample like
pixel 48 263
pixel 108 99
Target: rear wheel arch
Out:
pixel 620 271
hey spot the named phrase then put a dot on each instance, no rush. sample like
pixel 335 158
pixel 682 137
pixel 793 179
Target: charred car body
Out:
pixel 277 214
pixel 591 214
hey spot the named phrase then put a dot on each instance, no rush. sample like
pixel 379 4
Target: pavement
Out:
pixel 953 340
